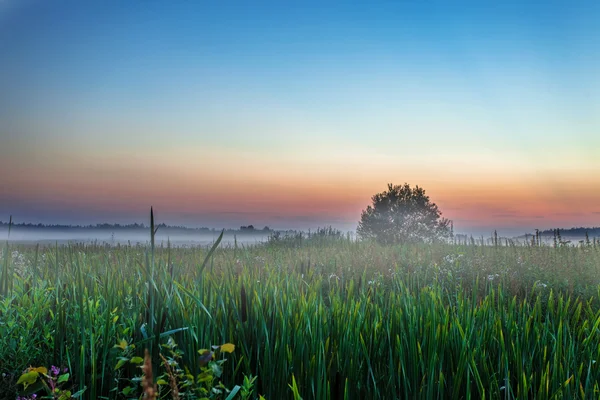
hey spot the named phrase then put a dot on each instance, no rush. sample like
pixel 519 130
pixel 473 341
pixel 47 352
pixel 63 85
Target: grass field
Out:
pixel 321 318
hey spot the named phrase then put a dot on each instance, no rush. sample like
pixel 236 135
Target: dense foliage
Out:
pixel 318 318
pixel 403 214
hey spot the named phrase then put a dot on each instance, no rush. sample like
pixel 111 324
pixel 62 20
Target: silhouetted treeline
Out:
pixel 133 227
pixel 578 232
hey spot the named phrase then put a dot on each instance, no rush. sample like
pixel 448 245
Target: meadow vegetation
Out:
pixel 319 317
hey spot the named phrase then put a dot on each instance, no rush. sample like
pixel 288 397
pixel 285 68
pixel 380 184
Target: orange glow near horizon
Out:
pixel 318 188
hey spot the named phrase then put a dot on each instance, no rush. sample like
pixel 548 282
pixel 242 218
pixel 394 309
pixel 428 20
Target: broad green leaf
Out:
pixel 234 391
pixel 136 360
pixel 204 377
pixel 66 395
pixel 63 378
pixel 79 393
pixel 121 362
pixel 28 378
pixel 128 390
pixel 217 370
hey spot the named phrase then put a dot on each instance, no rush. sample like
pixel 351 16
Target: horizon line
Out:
pixel 244 228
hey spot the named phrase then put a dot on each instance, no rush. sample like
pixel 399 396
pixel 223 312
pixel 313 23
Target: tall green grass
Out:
pixel 317 319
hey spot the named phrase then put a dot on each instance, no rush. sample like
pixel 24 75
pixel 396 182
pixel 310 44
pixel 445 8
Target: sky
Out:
pixel 293 114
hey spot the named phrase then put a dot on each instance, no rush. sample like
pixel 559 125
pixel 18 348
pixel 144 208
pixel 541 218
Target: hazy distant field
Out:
pixel 48 236
pixel 341 319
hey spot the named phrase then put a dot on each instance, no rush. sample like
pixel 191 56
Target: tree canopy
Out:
pixel 403 214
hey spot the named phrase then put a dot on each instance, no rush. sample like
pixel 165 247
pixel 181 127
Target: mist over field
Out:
pixel 141 236
pixel 48 236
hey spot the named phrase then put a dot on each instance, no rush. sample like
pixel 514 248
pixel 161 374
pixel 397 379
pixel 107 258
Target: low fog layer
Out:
pixel 177 237
pixel 47 235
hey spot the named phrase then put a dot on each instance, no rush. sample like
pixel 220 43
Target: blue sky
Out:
pixel 442 94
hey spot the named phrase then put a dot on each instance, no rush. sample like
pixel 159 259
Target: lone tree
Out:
pixel 403 215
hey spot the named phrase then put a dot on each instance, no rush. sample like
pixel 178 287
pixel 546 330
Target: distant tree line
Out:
pixel 579 232
pixel 253 229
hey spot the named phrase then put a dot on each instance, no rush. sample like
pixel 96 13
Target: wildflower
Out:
pixel 33 396
pixel 520 260
pixel 55 370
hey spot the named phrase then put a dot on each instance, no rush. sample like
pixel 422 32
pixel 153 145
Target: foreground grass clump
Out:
pixel 322 319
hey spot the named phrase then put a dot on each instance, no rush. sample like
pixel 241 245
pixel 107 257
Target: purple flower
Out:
pixel 55 370
pixel 65 370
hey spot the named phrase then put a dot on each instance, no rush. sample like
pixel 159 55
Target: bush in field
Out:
pixel 322 236
pixel 403 215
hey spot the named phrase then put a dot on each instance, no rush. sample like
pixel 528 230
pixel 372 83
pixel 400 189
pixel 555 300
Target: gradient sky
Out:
pixel 228 113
